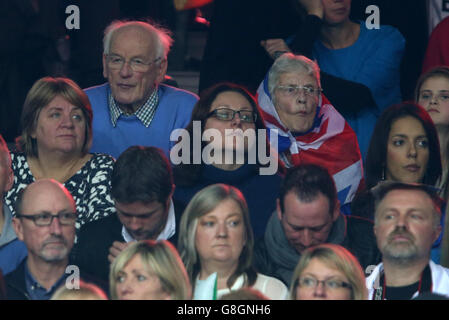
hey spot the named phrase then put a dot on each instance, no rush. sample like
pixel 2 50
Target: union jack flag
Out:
pixel 330 143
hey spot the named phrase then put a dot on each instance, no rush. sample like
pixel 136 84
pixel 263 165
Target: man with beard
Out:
pixel 45 222
pixel 407 222
pixel 142 188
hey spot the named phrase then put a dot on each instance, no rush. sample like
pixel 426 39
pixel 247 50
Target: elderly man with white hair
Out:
pixel 134 107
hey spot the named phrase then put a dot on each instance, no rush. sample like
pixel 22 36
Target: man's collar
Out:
pixel 33 284
pixel 167 232
pixel 145 113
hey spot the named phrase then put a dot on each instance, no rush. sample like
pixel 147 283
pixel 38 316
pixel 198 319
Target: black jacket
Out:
pixel 94 240
pixel 16 286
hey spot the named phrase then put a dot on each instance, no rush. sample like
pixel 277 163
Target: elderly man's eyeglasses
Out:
pixel 309 282
pixel 46 219
pixel 290 91
pixel 116 62
pixel 427 95
pixel 227 114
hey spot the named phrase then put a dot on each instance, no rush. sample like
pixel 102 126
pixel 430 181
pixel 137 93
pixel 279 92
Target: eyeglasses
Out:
pixel 428 96
pixel 309 282
pixel 46 219
pixel 290 91
pixel 115 62
pixel 227 114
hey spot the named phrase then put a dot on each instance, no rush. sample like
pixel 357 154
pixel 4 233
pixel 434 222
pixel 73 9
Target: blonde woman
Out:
pixel 328 272
pixel 86 291
pixel 149 270
pixel 216 238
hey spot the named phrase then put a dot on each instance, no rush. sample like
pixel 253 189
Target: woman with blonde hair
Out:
pixel 328 272
pixel 149 270
pixel 216 242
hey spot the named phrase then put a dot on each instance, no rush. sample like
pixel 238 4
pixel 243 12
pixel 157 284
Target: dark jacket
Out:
pixel 95 239
pixel 16 286
pixel 274 256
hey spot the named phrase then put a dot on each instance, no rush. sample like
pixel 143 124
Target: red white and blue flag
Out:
pixel 330 143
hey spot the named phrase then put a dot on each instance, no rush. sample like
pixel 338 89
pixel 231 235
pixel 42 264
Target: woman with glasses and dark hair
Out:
pixel 228 144
pixel 55 141
pixel 328 272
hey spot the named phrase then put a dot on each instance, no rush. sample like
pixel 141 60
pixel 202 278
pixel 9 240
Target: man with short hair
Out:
pixel 134 108
pixel 12 250
pixel 142 188
pixel 406 224
pixel 45 222
pixel 308 214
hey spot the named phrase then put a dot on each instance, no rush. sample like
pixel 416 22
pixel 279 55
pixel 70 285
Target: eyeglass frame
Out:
pixel 234 112
pixel 342 284
pixel 34 217
pixel 305 89
pixel 437 96
pixel 124 61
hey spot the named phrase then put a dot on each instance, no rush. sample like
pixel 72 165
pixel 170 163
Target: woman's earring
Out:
pixel 383 173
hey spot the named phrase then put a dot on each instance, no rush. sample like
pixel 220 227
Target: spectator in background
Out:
pixel 328 272
pixel 407 223
pixel 437 53
pixel 310 129
pixel 134 108
pixel 12 250
pixel 142 188
pixel 149 270
pixel 216 244
pixel 45 221
pixel 404 148
pixel 231 111
pixel 55 141
pixel 349 50
pixel 308 214
pixel 432 92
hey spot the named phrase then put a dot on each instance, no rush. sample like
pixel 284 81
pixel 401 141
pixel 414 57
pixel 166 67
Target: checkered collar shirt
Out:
pixel 145 113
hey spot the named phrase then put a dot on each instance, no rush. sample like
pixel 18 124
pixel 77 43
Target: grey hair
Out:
pixel 289 62
pixel 162 36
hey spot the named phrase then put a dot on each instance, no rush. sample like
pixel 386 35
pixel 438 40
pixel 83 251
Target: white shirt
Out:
pixel 167 233
pixel 440 280
pixel 272 288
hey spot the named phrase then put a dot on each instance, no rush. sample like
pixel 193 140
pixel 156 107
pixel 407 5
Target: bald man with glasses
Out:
pixel 45 222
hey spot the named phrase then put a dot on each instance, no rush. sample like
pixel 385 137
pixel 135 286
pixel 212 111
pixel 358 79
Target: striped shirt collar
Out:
pixel 145 113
